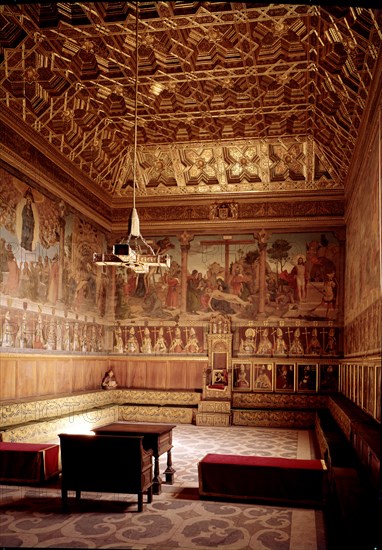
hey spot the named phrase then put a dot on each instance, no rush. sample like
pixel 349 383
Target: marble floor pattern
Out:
pixel 177 518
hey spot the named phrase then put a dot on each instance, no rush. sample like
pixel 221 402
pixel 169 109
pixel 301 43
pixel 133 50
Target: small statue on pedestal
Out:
pixel 109 381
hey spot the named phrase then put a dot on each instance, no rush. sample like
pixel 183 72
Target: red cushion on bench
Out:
pixel 265 478
pixel 28 462
pixel 276 462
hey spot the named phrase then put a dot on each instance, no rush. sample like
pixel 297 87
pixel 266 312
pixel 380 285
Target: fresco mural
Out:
pixel 280 290
pixel 223 276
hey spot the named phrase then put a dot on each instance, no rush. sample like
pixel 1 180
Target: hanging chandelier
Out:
pixel 134 251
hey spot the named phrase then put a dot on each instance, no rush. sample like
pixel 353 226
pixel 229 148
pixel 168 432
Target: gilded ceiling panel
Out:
pixel 232 97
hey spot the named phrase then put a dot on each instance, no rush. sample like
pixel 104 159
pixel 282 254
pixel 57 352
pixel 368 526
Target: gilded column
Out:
pixel 184 240
pixel 262 238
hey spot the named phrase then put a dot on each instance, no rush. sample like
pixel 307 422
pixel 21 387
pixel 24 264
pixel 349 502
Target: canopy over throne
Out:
pixel 217 376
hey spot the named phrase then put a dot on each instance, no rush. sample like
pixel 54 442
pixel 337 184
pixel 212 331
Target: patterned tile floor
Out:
pixel 176 519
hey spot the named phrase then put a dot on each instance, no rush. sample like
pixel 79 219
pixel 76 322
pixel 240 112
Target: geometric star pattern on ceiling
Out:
pixel 232 97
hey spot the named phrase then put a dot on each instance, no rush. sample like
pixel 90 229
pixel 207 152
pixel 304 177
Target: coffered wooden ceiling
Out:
pixel 234 97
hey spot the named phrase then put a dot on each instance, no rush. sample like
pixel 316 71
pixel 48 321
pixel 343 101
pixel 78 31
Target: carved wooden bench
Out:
pixel 105 464
pixel 272 479
pixel 28 462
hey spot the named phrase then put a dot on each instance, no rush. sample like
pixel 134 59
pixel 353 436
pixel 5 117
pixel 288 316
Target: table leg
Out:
pixel 169 472
pixel 157 480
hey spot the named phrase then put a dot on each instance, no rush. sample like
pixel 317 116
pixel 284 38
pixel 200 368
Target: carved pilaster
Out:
pixel 262 238
pixel 185 238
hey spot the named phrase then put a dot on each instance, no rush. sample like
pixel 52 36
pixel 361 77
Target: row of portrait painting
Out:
pixel 284 377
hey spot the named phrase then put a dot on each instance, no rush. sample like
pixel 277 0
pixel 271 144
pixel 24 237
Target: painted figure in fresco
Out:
pixel 84 340
pixel 118 340
pixel 76 337
pixel 248 345
pixel 263 381
pixel 193 301
pixel 3 258
pixel 60 334
pixel 93 338
pixel 100 336
pixel 53 281
pixel 8 334
pixel 146 346
pixel 192 344
pixel 39 341
pixel 109 381
pixel 160 344
pixel 177 344
pixel 132 345
pixel 172 296
pixel 300 273
pixel 51 335
pixel 329 293
pixel 221 299
pixel 265 345
pixel 28 221
pixel 296 347
pixel 24 284
pixel 237 280
pixel 66 336
pixel 101 294
pixel 280 345
pixel 24 336
pixel 12 285
pixel 152 305
pixel 314 347
pixel 331 346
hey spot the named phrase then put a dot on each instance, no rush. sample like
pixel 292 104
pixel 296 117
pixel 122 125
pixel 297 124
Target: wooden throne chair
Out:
pixel 217 377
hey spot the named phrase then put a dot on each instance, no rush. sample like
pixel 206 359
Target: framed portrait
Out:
pixel 328 378
pixel 262 377
pixel 307 377
pixel 285 377
pixel 219 377
pixel 242 375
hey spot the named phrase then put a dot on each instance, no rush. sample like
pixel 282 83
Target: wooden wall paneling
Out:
pixel 194 373
pixel 176 374
pixel 65 374
pixel 26 378
pixel 119 365
pixel 7 378
pixel 78 367
pixel 46 376
pixel 96 369
pixel 93 370
pixel 157 374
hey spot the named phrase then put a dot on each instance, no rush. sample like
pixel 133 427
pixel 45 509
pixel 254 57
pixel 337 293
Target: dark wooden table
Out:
pixel 157 437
